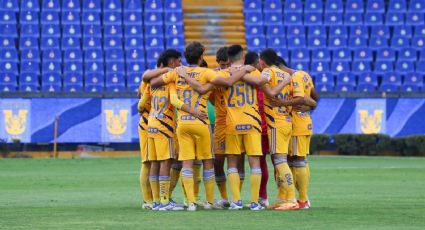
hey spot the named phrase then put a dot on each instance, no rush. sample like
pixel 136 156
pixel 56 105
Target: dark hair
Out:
pixel 269 56
pixel 235 52
pixel 193 52
pixel 169 54
pixel 160 60
pixel 251 58
pixel 221 54
pixel 204 64
pixel 281 61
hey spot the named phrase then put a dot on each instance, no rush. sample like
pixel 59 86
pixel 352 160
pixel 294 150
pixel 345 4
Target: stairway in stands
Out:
pixel 214 23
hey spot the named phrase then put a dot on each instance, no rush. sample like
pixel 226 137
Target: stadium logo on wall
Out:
pixel 15 125
pixel 116 123
pixel 116 120
pixel 15 120
pixel 371 116
pixel 370 124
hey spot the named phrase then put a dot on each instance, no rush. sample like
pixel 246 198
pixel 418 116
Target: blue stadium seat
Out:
pixel 151 63
pixel 28 43
pixel 112 6
pixel 402 30
pixel 333 18
pixel 133 6
pixel 418 43
pixel 338 31
pixel 132 87
pixel 73 88
pixel 11 5
pixel 420 67
pixel 412 82
pixel 92 31
pixel 90 18
pixel 115 79
pixel 380 31
pixel 173 5
pixel 377 43
pixel 29 87
pixel 391 82
pixel 363 54
pixel 133 43
pixel 52 55
pixel 73 55
pixel 8 43
pixel 293 18
pixel 404 67
pixel 385 54
pixel 114 55
pixel 317 31
pixel 377 6
pixel 324 87
pixel 399 42
pixel 92 6
pixel 73 18
pixel 94 67
pixel 397 6
pixel 353 19
pixel 51 6
pixel 133 18
pixel 382 67
pixel 253 18
pixel 256 42
pixel 342 54
pixel 152 54
pixel 422 55
pixel 416 6
pixel 269 6
pixel 135 55
pixel 415 19
pixel 32 55
pixel 9 55
pixel 273 18
pixel 354 6
pixel 72 78
pixel 28 78
pixel 295 31
pixel 337 42
pixel 112 43
pixel 52 31
pixel 95 79
pixel 8 30
pixel 135 67
pixel 313 19
pixel 92 43
pixel 274 30
pixel 340 67
pixel 154 42
pixel 293 6
pixel 153 30
pixel 153 6
pixel 325 82
pixel 174 30
pixel 71 5
pixel 359 32
pixel 407 54
pixel 29 18
pixel 30 30
pixel 112 18
pixel 394 19
pixel 7 17
pixel 300 55
pixel 334 6
pixel 373 19
pixel 48 79
pixel 419 31
pixel 296 42
pixel 173 18
pixel 367 82
pixel 8 67
pixel 51 67
pixel 316 42
pixel 49 17
pixel 7 78
pixel 345 82
pixel 282 52
pixel 133 31
pixel 71 43
pixel 175 42
pixel 73 67
pixel 94 88
pixel 51 88
pixel 321 55
pixel 71 31
pixel 252 6
pixel 153 18
pixel 10 87
pixel 301 65
pixel 313 6
pixel 319 67
pixel 112 31
pixel 359 67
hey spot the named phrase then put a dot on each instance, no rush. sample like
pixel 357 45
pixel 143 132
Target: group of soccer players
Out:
pixel 262 106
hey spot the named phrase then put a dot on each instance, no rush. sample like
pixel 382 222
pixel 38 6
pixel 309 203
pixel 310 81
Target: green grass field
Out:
pixel 346 193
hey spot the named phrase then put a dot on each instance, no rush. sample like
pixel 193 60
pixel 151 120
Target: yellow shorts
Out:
pixel 279 139
pixel 219 139
pixel 194 142
pixel 240 143
pixel 160 149
pixel 143 140
pixel 300 146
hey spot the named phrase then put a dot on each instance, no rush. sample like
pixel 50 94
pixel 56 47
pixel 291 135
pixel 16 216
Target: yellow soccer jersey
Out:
pixel 161 115
pixel 143 122
pixel 277 116
pixel 188 95
pixel 241 101
pixel 220 106
pixel 302 85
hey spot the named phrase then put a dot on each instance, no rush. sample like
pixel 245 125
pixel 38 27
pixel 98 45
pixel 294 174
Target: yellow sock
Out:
pixel 153 180
pixel 164 189
pixel 187 179
pixel 234 181
pixel 145 187
pixel 209 183
pixel 302 179
pixel 241 179
pixel 197 178
pixel 285 176
pixel 174 178
pixel 255 180
pixel 222 187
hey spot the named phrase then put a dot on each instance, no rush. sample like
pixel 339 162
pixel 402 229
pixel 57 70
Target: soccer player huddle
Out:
pixel 262 106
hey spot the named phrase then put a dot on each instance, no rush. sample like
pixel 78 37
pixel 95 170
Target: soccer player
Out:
pixel 193 133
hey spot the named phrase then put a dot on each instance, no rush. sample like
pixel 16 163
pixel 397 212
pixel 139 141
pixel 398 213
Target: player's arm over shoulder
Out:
pixel 197 86
pixel 226 79
pixel 164 79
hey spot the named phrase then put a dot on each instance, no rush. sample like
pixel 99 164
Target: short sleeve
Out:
pixel 298 84
pixel 169 77
pixel 266 74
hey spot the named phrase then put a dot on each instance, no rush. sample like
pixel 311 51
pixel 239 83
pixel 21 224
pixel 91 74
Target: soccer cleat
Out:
pixel 287 206
pixel 170 207
pixel 236 206
pixel 256 206
pixel 264 202
pixel 304 205
pixel 177 204
pixel 147 206
pixel 191 207
pixel 221 204
pixel 155 206
pixel 276 204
